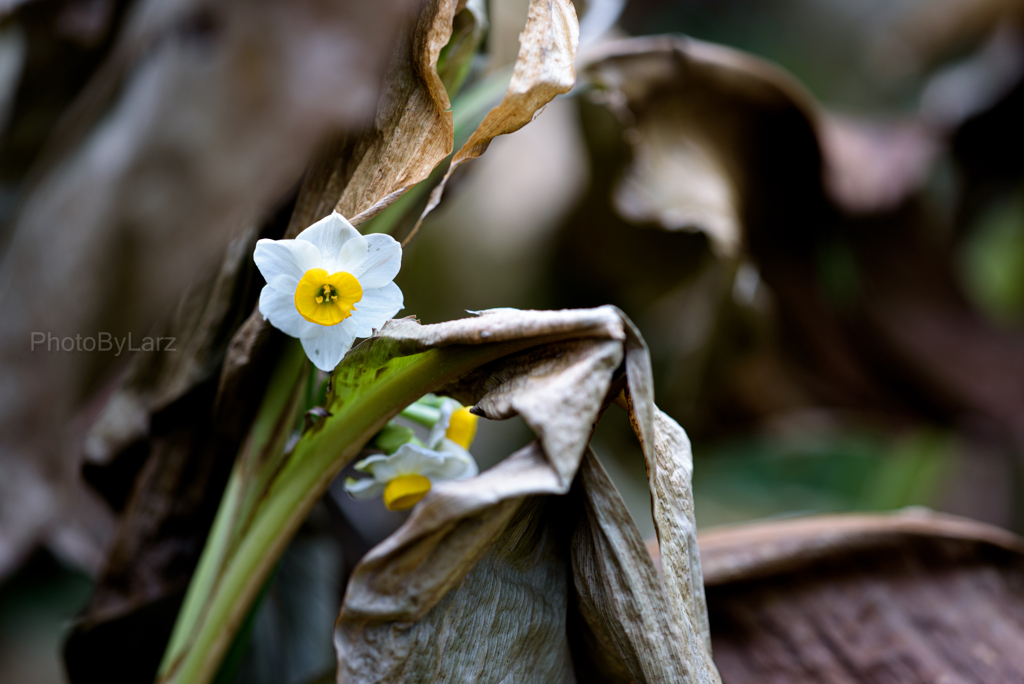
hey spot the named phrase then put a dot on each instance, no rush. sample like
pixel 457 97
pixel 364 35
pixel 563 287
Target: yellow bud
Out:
pixel 462 427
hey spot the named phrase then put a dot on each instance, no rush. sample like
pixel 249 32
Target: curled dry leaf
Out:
pixel 543 69
pixel 693 112
pixel 716 134
pixel 204 114
pixel 911 597
pixel 360 175
pixel 543 541
pixel 832 218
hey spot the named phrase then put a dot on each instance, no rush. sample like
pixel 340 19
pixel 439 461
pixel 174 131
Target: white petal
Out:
pixel 437 433
pixel 279 309
pixel 459 463
pixel 352 253
pixel 364 488
pixel 283 262
pixel 376 308
pixel 379 264
pixel 413 459
pixel 327 348
pixel 379 466
pixel 329 235
pixel 438 466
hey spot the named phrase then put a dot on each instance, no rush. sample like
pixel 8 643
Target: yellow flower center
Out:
pixel 462 427
pixel 405 491
pixel 327 299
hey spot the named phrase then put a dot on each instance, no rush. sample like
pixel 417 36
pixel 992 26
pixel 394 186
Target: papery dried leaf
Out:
pixel 361 175
pixel 835 221
pixel 436 572
pixel 671 476
pixel 692 110
pixel 543 69
pixel 657 637
pixel 269 497
pixel 912 597
pixel 429 570
pixel 758 550
pixel 205 114
pixel 413 129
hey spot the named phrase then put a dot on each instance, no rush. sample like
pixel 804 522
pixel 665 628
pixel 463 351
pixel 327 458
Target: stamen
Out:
pixel 319 299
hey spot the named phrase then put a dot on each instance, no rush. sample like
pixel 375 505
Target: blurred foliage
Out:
pixel 760 477
pixel 36 606
pixel 993 260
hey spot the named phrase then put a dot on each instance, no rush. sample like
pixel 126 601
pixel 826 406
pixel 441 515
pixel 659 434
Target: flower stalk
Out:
pixel 270 494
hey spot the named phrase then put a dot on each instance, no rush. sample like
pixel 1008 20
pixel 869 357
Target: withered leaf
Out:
pixel 359 175
pixel 543 69
pixel 915 597
pixel 204 115
pixel 505 538
pixel 413 129
pixel 810 195
pixel 692 112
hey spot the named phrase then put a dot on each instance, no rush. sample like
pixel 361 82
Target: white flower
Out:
pixel 329 286
pixel 407 475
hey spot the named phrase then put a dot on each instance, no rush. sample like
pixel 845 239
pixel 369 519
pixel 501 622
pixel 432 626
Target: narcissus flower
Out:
pixel 329 286
pixel 407 475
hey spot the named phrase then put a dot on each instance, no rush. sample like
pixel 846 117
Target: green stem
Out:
pixel 423 415
pixel 265 439
pixel 201 638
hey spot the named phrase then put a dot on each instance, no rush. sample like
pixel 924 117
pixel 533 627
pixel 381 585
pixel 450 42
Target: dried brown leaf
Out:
pixel 911 597
pixel 204 115
pixel 692 111
pixel 543 69
pixel 502 539
pixel 359 175
pixel 413 129
pixel 831 212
